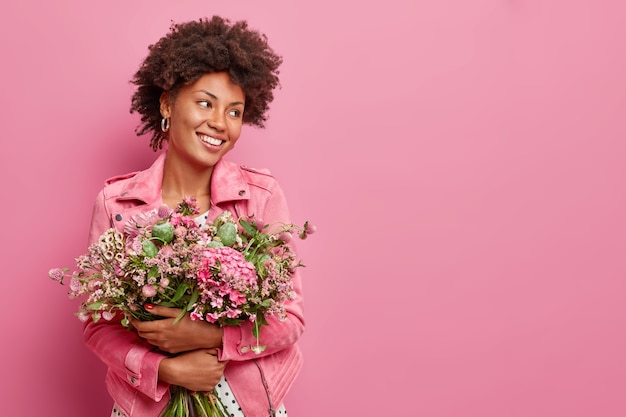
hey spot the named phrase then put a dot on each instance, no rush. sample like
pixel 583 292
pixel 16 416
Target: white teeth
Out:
pixel 210 140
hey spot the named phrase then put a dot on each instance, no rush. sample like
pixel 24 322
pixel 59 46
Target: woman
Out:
pixel 195 89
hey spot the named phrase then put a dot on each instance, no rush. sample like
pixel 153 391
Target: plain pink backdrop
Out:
pixel 463 161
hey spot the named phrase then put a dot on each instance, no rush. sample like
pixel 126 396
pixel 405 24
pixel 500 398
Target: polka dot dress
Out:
pixel 222 388
pixel 228 399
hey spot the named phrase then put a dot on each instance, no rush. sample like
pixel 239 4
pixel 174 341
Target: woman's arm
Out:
pixel 267 203
pixel 121 349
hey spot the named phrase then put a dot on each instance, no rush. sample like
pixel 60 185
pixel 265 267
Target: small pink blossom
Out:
pixel 166 252
pixel 107 315
pixel 164 211
pixel 93 285
pixel 233 313
pixel 75 284
pixel 194 315
pixel 285 237
pixel 148 290
pixel 56 274
pixel 310 229
pixel 212 317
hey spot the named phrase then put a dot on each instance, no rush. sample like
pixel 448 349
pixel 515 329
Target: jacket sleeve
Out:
pixel 125 353
pixel 276 335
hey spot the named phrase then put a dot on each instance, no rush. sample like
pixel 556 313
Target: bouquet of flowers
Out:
pixel 224 272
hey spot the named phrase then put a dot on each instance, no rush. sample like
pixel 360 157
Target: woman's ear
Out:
pixel 165 104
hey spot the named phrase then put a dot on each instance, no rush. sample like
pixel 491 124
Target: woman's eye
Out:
pixel 234 113
pixel 204 103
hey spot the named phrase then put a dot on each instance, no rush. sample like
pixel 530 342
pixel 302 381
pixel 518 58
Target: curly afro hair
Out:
pixel 195 48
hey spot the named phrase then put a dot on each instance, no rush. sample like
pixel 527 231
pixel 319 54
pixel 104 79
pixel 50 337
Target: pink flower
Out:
pixel 236 298
pixel 285 237
pixel 75 284
pixel 194 315
pixel 93 285
pixel 107 315
pixel 310 229
pixel 56 274
pixel 166 251
pixel 212 317
pixel 148 290
pixel 233 313
pixel 134 245
pixel 164 212
pixel 140 221
pixel 217 302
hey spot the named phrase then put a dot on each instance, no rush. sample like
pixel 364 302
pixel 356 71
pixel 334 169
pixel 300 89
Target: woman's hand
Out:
pixel 183 336
pixel 198 370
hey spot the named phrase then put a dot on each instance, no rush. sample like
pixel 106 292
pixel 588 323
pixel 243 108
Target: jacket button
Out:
pixel 244 349
pixel 118 217
pixel 132 380
pixel 242 192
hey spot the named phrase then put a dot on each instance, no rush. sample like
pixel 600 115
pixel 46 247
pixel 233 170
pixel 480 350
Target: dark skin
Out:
pixel 193 343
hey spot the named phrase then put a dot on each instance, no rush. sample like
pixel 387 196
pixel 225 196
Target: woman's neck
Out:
pixel 184 180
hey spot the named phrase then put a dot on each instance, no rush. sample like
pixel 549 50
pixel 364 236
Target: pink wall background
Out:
pixel 464 162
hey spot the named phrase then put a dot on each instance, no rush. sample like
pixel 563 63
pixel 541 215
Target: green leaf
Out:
pixel 261 319
pixel 180 316
pixel 153 272
pixel 194 297
pixel 180 291
pixel 248 227
pixel 94 306
pixel 167 304
pixel 256 329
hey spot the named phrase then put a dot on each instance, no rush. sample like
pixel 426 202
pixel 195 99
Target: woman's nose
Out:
pixel 216 120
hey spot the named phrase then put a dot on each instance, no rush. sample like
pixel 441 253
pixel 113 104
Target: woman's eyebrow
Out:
pixel 214 97
pixel 209 94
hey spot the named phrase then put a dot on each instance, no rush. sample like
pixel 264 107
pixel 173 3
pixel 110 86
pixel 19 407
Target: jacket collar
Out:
pixel 227 183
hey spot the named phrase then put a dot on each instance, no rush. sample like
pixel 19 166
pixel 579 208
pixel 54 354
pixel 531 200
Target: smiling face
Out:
pixel 205 120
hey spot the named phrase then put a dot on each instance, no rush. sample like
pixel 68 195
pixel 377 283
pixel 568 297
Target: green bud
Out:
pixel 149 248
pixel 163 231
pixel 227 234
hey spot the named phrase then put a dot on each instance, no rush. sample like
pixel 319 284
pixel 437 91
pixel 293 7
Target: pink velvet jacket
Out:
pixel 258 381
